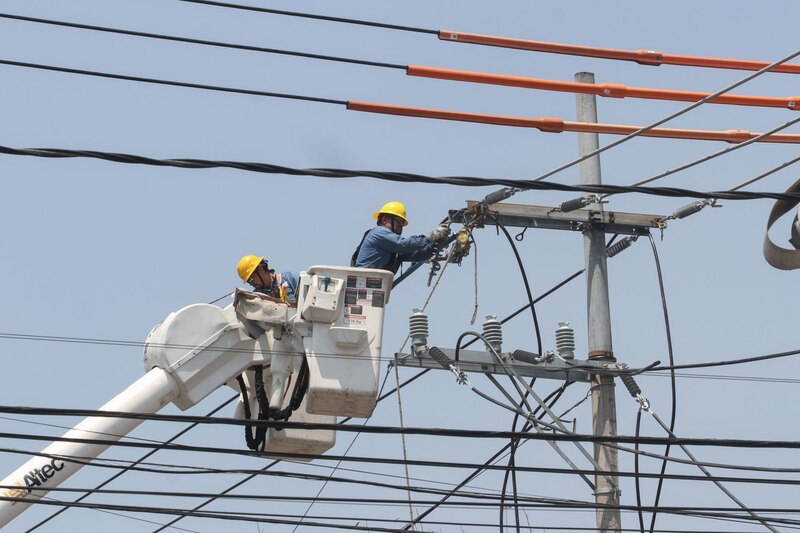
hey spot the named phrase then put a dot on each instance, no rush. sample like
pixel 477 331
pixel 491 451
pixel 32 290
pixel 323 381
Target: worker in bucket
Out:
pixel 279 285
pixel 385 248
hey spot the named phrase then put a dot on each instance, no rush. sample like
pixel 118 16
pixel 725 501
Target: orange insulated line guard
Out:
pixel 557 125
pixel 611 90
pixel 643 57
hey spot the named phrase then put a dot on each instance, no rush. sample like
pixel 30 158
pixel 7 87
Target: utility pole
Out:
pixel 604 406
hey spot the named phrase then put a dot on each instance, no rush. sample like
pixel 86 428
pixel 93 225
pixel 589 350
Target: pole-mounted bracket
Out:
pixel 518 215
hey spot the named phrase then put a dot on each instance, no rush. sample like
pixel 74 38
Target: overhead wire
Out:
pixel 673 387
pixel 175 469
pixel 644 57
pixel 546 124
pixel 400 177
pixel 352 442
pixel 611 90
pixel 653 372
pixel 204 42
pixel 313 16
pixel 535 503
pixel 571 505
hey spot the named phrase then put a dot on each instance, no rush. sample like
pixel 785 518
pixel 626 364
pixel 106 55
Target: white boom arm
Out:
pixel 149 394
pixel 200 348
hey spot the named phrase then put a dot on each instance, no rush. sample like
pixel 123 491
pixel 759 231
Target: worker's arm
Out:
pixel 388 240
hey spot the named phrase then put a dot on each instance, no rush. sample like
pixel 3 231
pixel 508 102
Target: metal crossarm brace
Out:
pixel 535 216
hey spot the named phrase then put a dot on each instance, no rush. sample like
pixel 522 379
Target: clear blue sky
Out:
pixel 96 249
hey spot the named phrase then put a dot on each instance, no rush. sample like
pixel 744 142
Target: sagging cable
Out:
pixel 636 392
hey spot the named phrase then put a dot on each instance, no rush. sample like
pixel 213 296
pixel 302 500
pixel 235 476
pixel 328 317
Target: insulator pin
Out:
pixel 565 340
pixel 418 328
pixel 493 333
pixel 525 356
pixel 575 204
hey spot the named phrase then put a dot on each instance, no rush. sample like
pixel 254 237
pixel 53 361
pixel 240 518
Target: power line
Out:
pixel 655 371
pixel 133 464
pixel 610 90
pixel 400 177
pixel 204 42
pixel 173 83
pixel 571 505
pixel 644 57
pixel 385 430
pixel 314 16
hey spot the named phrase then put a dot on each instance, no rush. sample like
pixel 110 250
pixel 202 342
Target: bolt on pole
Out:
pixel 604 409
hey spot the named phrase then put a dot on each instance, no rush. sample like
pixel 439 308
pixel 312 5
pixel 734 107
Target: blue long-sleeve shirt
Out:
pixel 290 278
pixel 384 249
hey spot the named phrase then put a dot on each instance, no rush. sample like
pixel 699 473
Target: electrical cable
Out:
pixel 606 90
pixel 612 90
pixel 709 157
pixel 203 42
pixel 729 362
pixel 481 434
pixel 644 57
pixel 182 513
pixel 400 177
pixel 525 282
pixel 313 16
pixel 142 458
pixel 513 445
pixel 546 124
pixel 267 467
pixel 673 387
pixel 644 404
pixel 172 83
pixel 572 505
pixel 636 473
pixel 677 114
pixel 559 125
pixel 174 469
pixel 352 442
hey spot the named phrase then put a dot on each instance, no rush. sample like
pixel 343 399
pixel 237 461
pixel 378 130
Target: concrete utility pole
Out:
pixel 604 406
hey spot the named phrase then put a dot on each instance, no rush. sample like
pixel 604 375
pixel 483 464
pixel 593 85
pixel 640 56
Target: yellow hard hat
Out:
pixel 393 208
pixel 247 265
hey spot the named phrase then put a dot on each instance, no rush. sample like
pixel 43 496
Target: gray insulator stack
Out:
pixel 493 333
pixel 631 385
pixel 418 328
pixel 499 196
pixel 689 209
pixel 565 340
pixel 620 245
pixel 574 204
pixel 526 357
pixel 440 357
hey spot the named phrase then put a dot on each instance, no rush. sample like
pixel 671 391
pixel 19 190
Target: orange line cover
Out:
pixel 643 57
pixel 611 90
pixel 557 125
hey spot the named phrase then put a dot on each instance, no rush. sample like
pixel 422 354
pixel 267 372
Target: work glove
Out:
pixel 438 234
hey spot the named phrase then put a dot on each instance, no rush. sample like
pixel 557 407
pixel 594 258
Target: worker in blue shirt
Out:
pixel 281 285
pixel 385 248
